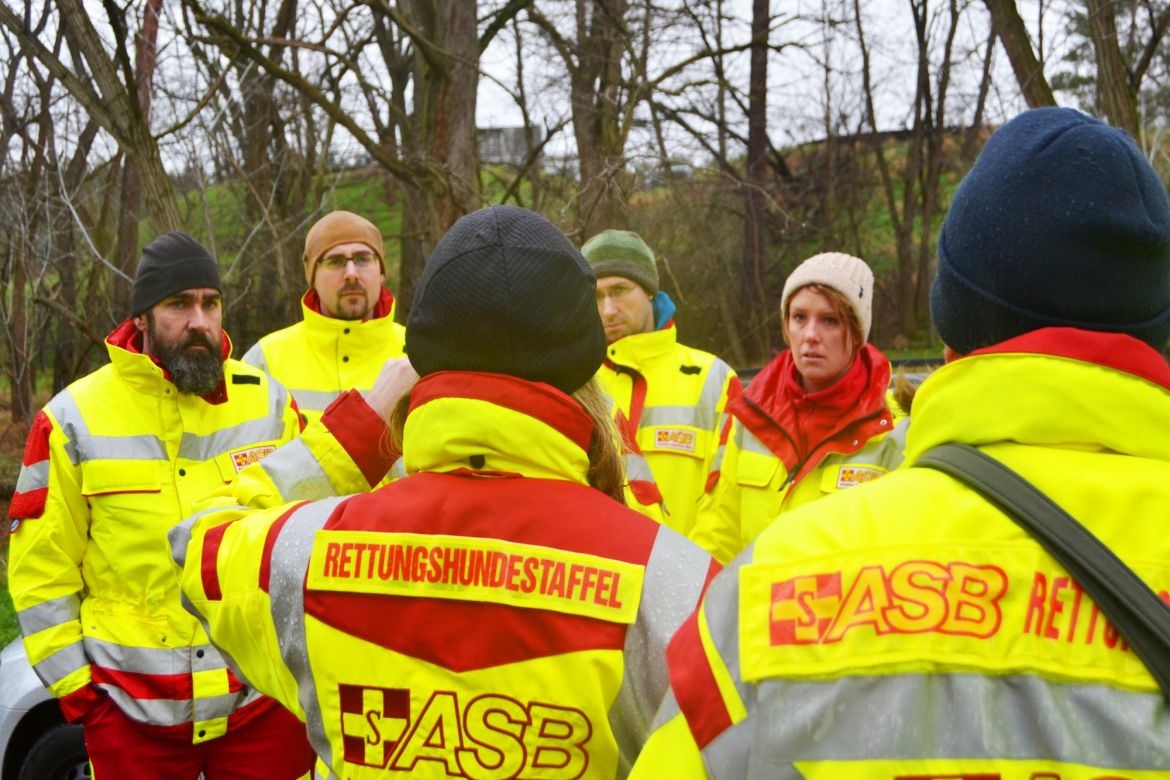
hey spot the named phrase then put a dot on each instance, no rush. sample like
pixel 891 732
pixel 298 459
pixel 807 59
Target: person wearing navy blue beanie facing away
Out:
pixel 909 627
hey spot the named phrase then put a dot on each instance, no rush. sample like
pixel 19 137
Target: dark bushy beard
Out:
pixel 196 372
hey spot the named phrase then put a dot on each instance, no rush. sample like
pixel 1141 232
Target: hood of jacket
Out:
pixel 495 425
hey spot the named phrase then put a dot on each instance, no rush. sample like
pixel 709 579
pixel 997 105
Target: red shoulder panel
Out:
pixel 29 504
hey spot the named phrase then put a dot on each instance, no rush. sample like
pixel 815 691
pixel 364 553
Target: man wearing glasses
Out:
pixel 669 398
pixel 348 330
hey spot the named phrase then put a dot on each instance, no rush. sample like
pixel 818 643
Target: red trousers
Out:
pixel 272 745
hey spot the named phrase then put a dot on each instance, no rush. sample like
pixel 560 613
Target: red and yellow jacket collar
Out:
pixel 124 345
pixel 495 425
pixel 1060 387
pixel 841 418
pixel 311 303
pixel 639 349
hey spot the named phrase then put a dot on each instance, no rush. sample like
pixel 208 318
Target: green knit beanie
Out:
pixel 622 253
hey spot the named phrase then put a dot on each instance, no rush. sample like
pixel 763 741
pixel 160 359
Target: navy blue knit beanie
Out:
pixel 1061 222
pixel 505 292
pixel 171 263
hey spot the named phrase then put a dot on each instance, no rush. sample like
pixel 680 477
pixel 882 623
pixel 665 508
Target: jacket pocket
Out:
pixel 114 477
pixel 756 470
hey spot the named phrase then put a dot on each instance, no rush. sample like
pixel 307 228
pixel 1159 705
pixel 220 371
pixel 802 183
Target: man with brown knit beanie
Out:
pixel 669 399
pixel 348 330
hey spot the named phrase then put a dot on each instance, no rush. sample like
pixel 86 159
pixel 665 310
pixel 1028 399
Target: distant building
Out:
pixel 508 145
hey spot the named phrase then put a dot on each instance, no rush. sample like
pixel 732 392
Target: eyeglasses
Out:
pixel 362 260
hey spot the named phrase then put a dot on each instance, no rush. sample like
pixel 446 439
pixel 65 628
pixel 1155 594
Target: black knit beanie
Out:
pixel 1061 222
pixel 505 292
pixel 172 263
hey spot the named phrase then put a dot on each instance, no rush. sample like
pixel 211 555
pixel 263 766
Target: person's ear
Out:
pixel 949 354
pixel 140 322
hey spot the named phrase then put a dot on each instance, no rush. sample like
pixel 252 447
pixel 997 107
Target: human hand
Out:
pixel 394 381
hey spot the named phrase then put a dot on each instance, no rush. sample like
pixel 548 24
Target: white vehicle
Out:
pixel 35 741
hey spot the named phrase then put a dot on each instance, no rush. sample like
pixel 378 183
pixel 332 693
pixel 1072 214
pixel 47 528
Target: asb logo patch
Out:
pixel 372 722
pixel 488 736
pixel 674 439
pixel 245 458
pixel 914 597
pixel 851 476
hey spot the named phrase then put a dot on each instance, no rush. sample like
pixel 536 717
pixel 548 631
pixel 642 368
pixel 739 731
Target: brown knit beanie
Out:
pixel 337 228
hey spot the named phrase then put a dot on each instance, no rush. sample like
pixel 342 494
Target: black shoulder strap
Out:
pixel 1133 608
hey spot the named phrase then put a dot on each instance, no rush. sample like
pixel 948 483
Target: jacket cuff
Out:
pixel 75 705
pixel 362 433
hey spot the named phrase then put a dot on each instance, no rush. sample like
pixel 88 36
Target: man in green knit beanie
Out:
pixel 669 399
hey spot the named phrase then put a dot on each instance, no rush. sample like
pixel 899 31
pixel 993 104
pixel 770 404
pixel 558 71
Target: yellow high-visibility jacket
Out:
pixel 488 615
pixel 112 463
pixel 908 628
pixel 671 399
pixel 320 357
pixel 755 478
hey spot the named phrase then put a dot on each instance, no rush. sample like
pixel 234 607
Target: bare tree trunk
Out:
pixel 595 85
pixel 755 206
pixel 1014 37
pixel 446 78
pixel 1115 93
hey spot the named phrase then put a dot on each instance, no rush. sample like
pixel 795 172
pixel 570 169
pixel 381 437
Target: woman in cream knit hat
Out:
pixel 815 420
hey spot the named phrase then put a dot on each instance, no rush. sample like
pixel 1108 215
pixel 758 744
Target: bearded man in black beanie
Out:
pixel 177 306
pixel 495 613
pixel 909 627
pixel 112 463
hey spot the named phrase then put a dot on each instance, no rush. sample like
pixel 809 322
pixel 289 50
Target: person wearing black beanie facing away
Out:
pixel 111 464
pixel 497 612
pixel 911 628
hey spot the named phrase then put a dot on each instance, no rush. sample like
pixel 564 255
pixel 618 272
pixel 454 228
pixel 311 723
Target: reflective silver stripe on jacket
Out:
pixel 296 473
pixel 175 712
pixel 83 446
pixel 49 614
pixel 673 579
pixel 255 358
pixel 286 593
pixel 313 400
pixel 34 476
pixel 713 392
pixel 185 659
pixel 61 664
pixel 952 715
pixel 638 468
pixel 701 414
pixel 248 432
pixel 654 416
